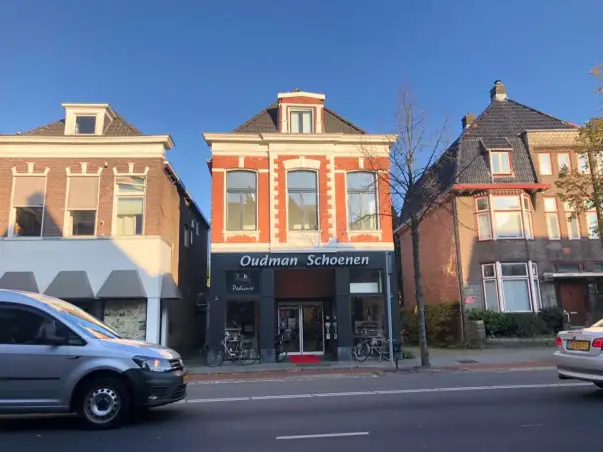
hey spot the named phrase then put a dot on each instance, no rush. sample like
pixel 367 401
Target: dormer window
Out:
pixel 301 121
pixel 501 163
pixel 85 125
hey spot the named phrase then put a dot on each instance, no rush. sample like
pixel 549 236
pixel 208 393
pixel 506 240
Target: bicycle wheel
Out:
pixel 247 354
pixel 362 351
pixel 281 352
pixel 215 357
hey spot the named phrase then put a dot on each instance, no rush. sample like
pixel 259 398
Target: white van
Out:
pixel 56 358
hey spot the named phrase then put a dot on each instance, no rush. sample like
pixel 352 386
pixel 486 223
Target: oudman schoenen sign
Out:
pixel 311 260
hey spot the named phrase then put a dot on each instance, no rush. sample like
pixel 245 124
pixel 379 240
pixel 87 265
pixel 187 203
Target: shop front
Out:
pixel 321 302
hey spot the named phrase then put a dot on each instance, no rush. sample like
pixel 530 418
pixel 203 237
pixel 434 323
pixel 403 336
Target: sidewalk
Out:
pixel 441 359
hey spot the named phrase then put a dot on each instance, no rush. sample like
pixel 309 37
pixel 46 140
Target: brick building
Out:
pixel 92 212
pixel 503 240
pixel 301 229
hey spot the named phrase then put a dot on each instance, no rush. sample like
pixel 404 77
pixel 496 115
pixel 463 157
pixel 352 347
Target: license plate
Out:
pixel 185 379
pixel 578 345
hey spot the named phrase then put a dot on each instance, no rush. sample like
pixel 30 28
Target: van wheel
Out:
pixel 104 404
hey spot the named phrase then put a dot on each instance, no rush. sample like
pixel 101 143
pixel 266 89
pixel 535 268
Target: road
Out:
pixel 452 411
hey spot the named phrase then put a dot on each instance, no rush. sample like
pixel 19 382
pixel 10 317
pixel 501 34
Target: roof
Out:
pixel 266 121
pixel 499 127
pixel 119 127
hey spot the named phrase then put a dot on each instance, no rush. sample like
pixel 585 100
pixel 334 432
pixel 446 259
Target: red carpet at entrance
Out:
pixel 304 359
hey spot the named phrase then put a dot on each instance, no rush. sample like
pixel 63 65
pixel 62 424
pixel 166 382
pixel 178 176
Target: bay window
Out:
pixel 504 217
pixel 573 226
pixel 511 287
pixel 507 217
pixel 552 218
pixel 527 216
pixel 484 225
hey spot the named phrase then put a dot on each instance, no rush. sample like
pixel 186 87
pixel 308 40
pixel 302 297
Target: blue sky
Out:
pixel 185 67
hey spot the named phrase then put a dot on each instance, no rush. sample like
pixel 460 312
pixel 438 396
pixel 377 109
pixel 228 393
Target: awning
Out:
pixel 169 289
pixel 19 281
pixel 122 284
pixel 572 275
pixel 70 285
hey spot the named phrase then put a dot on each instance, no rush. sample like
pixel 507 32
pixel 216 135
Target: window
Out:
pixel 564 162
pixel 527 216
pixel 243 320
pixel 241 198
pixel 130 197
pixel 568 267
pixel 82 204
pixel 552 218
pixel 303 200
pixel 544 161
pixel 85 125
pixel 501 163
pixel 507 217
pixel 365 281
pixel 573 226
pixel 362 201
pixel 509 287
pixel 592 222
pixel 583 164
pixel 598 267
pixel 300 121
pixel 369 316
pixel 186 237
pixel 29 196
pixel 484 225
pixel 24 327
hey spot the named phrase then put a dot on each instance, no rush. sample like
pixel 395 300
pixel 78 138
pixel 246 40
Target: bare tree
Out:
pixel 419 176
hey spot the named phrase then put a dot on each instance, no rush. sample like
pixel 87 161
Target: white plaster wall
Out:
pixel 150 255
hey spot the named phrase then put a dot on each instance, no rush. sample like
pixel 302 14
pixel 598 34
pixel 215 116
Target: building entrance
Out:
pixel 303 324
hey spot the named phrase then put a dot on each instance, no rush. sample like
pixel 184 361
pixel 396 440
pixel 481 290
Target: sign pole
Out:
pixel 388 300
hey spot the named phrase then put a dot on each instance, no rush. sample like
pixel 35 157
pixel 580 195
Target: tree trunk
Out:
pixel 414 230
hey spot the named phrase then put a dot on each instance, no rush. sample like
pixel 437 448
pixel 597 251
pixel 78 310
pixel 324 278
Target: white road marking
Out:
pixel 532 425
pixel 323 435
pixel 387 392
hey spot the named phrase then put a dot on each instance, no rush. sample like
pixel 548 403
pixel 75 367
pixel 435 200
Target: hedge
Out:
pixel 442 324
pixel 547 322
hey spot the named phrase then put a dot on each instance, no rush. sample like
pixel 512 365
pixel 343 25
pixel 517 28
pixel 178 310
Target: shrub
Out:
pixel 553 317
pixel 441 323
pixel 510 324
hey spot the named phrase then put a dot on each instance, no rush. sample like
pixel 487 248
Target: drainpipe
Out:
pixel 459 268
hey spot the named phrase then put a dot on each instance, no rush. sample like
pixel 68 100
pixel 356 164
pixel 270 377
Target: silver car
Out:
pixel 56 358
pixel 579 356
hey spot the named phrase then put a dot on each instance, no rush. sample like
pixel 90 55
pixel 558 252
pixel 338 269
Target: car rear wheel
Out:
pixel 104 404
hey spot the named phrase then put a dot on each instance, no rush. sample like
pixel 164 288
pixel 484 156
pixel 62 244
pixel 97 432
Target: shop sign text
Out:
pixel 311 260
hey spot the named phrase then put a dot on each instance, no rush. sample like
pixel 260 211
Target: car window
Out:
pixel 599 324
pixel 25 327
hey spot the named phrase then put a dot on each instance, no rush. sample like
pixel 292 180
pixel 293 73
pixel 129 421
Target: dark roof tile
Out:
pixel 119 127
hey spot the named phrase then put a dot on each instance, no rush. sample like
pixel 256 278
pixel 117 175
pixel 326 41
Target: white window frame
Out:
pixel 117 195
pixel 569 161
pixel 541 167
pixel 568 210
pixel 531 276
pixel 68 221
pixel 13 209
pixel 590 213
pixel 527 219
pixel 519 210
pixel 377 204
pixel 84 115
pixel 483 213
pixel 498 155
pixel 317 175
pixel 548 213
pixel 257 203
pixel 293 110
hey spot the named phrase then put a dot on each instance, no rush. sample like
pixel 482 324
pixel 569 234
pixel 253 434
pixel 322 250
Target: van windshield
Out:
pixel 73 314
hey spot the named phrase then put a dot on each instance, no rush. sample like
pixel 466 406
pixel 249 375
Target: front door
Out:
pixel 574 301
pixel 304 325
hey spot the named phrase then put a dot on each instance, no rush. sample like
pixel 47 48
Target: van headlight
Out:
pixel 153 364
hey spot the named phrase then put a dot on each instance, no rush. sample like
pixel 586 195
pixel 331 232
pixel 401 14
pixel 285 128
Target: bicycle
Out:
pixel 280 346
pixel 242 350
pixel 372 346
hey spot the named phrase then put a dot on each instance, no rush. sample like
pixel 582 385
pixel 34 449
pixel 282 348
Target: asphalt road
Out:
pixel 453 411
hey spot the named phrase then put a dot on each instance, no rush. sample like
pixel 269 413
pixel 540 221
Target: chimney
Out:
pixel 498 91
pixel 468 120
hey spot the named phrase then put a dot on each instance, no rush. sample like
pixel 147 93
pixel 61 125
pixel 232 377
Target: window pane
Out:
pixel 545 164
pixel 85 124
pixel 361 182
pixel 583 165
pixel 593 226
pixel 130 184
pixel 526 202
pixel 508 224
pixel 249 211
pixel 306 122
pixel 28 221
pixel 233 211
pixel 309 211
pixel 301 180
pixel 240 180
pixel 573 228
pixel 354 210
pixel 29 191
pixel 130 216
pixel 491 295
pixel 516 295
pixel 506 202
pixel 242 318
pixel 504 162
pixel 19 327
pixel 564 162
pixel 514 269
pixel 295 211
pixel 528 225
pixel 83 222
pixel 83 193
pixel 365 281
pixel 482 204
pixel 369 316
pixel 294 122
pixel 568 267
pixel 553 226
pixel 537 300
pixel 484 227
pixel 550 204
pixel 488 270
pixel 130 206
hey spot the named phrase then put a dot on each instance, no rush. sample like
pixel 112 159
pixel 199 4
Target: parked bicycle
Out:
pixel 232 349
pixel 372 346
pixel 280 346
